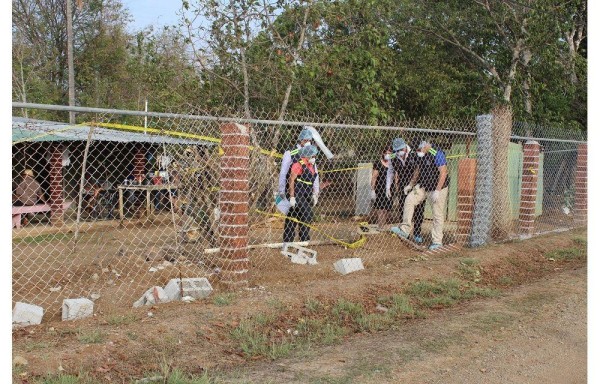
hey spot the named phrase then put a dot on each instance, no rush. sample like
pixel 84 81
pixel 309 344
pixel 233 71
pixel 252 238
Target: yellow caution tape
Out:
pixel 357 244
pixel 179 134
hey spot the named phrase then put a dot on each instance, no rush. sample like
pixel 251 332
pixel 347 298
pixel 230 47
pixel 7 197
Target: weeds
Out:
pixel 117 320
pixel 91 337
pixel 580 241
pixel 469 270
pixel 43 238
pixel 566 254
pixel 313 305
pixel 223 299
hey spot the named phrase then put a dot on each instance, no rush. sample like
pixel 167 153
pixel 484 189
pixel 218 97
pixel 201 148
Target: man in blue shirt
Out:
pixel 430 181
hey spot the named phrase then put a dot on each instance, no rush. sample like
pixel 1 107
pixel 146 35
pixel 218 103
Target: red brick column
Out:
pixel 467 170
pixel 233 203
pixel 529 184
pixel 139 161
pixel 56 185
pixel 580 211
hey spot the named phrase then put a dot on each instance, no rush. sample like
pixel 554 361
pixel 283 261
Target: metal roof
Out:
pixel 31 130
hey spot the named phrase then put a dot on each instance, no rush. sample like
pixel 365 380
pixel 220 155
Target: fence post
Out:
pixel 501 214
pixel 580 208
pixel 529 183
pixel 484 186
pixel 466 193
pixel 56 185
pixel 233 204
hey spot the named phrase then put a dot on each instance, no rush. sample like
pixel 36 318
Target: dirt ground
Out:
pixel 534 332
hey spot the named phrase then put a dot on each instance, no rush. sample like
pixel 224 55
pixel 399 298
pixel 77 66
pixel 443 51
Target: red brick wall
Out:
pixel 139 162
pixel 56 185
pixel 233 203
pixel 580 209
pixel 529 182
pixel 467 170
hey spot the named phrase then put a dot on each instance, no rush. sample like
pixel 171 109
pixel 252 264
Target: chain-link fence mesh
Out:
pixel 117 204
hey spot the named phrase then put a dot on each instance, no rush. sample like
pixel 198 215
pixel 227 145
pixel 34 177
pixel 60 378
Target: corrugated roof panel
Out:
pixel 40 130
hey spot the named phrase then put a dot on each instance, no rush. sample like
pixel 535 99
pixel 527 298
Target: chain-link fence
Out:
pixel 124 201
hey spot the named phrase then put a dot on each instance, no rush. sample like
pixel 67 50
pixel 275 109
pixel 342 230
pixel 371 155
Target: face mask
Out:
pixel 401 153
pixel 306 144
pixel 420 154
pixel 312 161
pixel 387 156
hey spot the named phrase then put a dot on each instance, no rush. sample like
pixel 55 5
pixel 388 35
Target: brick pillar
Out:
pixel 233 203
pixel 56 185
pixel 467 170
pixel 580 209
pixel 139 161
pixel 529 184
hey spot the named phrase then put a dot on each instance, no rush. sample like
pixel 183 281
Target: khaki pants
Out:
pixel 414 198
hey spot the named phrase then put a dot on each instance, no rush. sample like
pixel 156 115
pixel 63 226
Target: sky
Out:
pixel 152 12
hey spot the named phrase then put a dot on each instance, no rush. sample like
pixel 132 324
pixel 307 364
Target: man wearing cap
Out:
pixel 289 158
pixel 403 162
pixel 430 181
pixel 303 194
pixel 28 192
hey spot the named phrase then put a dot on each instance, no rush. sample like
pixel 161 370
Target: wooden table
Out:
pixel 148 189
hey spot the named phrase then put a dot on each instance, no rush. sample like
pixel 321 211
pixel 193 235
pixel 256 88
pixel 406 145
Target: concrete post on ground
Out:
pixel 467 169
pixel 233 203
pixel 529 185
pixel 56 185
pixel 580 208
pixel 139 162
pixel 484 182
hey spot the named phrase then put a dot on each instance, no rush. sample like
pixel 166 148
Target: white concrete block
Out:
pixel 154 295
pixel 345 266
pixel 299 254
pixel 26 314
pixel 73 309
pixel 196 287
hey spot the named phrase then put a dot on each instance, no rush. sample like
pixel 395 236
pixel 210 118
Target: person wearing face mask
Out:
pixel 382 204
pixel 290 157
pixel 402 167
pixel 304 193
pixel 429 182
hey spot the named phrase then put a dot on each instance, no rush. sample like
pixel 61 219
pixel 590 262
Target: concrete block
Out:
pixel 26 314
pixel 299 254
pixel 196 287
pixel 73 309
pixel 154 295
pixel 345 266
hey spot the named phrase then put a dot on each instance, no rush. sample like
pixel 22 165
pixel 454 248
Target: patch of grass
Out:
pixel 179 377
pixel 374 322
pixel 347 310
pixel 83 378
pixel 566 254
pixel 320 331
pixel 90 337
pixel 117 320
pixel 473 292
pixel 580 241
pixel 224 299
pixel 506 280
pixel 132 336
pixel 398 305
pixel 494 320
pixel 276 304
pixel 43 238
pixel 469 270
pixel 313 305
pixel 431 294
pixel 38 345
pixel 251 340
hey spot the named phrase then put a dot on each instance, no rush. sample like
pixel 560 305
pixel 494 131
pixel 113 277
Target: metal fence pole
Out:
pixel 484 182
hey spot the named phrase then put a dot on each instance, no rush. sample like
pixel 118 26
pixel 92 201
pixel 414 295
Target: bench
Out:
pixel 17 212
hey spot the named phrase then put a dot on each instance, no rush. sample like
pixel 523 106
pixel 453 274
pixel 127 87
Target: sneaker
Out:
pixel 399 232
pixel 418 239
pixel 435 246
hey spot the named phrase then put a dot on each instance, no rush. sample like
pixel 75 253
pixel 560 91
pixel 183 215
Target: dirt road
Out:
pixel 534 333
